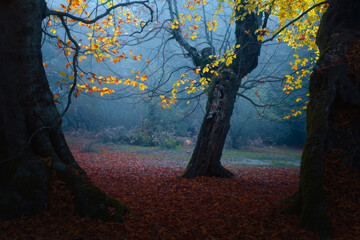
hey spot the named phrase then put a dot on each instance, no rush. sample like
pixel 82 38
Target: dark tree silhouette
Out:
pixel 333 117
pixel 32 146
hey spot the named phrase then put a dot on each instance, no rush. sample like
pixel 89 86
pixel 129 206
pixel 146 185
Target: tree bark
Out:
pixel 205 160
pixel 333 117
pixel 28 160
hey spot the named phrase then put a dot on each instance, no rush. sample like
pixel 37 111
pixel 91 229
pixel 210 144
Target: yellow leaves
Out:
pixel 137 58
pixel 304 61
pixel 289 79
pixel 142 87
pixel 287 117
pixel 197 18
pixel 53 30
pixel 56 95
pixel 294 66
pixel 261 33
pixel 114 80
pixel 229 60
pixel 250 7
pixel 63 74
pixel 220 9
pixel 193 36
pixel 205 69
pixel 82 58
pixel 191 89
pixel 205 81
pixel 175 24
pixel 296 113
pixel 303 31
pixel 45 65
pixel 143 78
pixel 166 102
pixel 212 25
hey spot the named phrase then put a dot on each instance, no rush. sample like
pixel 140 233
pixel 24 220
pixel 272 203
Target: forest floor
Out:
pixel 249 156
pixel 167 207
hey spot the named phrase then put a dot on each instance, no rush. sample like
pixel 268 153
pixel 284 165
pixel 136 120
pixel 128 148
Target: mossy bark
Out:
pixel 27 106
pixel 333 114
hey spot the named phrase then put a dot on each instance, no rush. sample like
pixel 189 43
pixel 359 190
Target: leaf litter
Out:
pixel 165 206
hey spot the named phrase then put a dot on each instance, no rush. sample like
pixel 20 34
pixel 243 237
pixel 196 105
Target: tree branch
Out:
pixel 65 14
pixel 292 21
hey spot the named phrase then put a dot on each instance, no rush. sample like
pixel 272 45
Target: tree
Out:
pixel 330 159
pixel 222 89
pixel 33 150
pixel 225 76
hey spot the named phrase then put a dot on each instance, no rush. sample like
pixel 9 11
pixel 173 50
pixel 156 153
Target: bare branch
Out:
pixel 253 103
pixel 75 63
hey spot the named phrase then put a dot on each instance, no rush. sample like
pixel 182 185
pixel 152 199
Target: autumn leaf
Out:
pixel 142 86
pixel 143 78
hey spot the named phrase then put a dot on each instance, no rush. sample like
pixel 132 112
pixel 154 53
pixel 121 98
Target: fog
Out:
pixel 132 116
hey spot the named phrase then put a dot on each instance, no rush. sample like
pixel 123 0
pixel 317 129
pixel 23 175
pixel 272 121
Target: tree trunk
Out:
pixel 205 160
pixel 333 117
pixel 26 167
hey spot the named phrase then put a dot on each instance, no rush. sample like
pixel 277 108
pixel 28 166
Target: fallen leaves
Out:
pixel 167 207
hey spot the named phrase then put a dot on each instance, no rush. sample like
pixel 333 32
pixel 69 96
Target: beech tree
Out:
pixel 330 164
pixel 222 93
pixel 33 150
pixel 222 76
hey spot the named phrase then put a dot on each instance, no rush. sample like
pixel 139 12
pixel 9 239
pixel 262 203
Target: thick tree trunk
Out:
pixel 333 117
pixel 205 160
pixel 27 106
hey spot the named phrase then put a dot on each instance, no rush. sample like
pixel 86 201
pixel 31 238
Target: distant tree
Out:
pixel 330 165
pixel 32 144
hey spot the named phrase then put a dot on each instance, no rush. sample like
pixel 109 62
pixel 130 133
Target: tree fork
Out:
pixel 205 160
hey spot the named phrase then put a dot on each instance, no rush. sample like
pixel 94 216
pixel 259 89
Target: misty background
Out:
pixel 131 116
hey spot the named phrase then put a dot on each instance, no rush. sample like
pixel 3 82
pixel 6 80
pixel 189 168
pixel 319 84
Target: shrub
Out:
pixel 142 138
pixel 172 143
